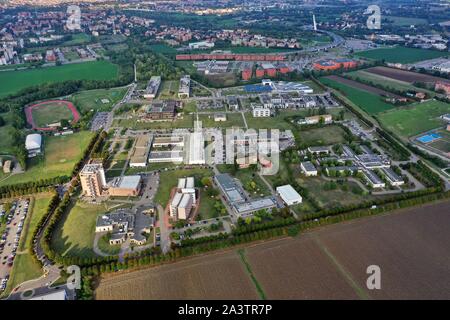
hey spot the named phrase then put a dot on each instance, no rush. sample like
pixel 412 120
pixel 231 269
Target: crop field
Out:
pixel 327 263
pixel 401 54
pixel 41 115
pixel 403 75
pixel 14 81
pixel 221 276
pixel 369 102
pixel 442 144
pixel 92 100
pixel 414 119
pixel 362 86
pixel 74 235
pixel 56 161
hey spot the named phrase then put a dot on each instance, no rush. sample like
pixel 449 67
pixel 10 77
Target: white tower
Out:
pixel 314 22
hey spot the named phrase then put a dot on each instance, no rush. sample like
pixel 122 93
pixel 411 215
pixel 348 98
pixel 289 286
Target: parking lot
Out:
pixel 14 220
pixel 100 120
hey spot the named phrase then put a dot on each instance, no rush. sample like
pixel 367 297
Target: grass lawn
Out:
pixel 186 122
pixel 38 209
pixel 233 120
pixel 246 177
pixel 276 122
pixel 105 247
pixel 24 269
pixel 169 90
pixel 401 54
pixel 414 119
pixel 74 235
pixel 341 196
pixel 6 138
pixel 207 210
pixel 57 161
pixel 14 81
pixel 77 39
pixel 327 135
pixel 369 102
pixel 92 100
pixel 51 113
pixel 169 180
pixel 162 49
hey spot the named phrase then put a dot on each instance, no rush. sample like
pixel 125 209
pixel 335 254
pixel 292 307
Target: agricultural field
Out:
pixel 233 120
pixel 403 75
pixel 442 144
pixel 92 100
pixel 327 263
pixel 14 81
pixel 401 54
pixel 369 102
pixel 56 161
pixel 384 81
pixel 414 119
pixel 169 180
pixel 221 276
pixel 74 235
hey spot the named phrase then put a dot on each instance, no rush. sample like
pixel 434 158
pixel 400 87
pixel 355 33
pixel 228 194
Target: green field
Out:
pixel 247 177
pixel 406 21
pixel 414 119
pixel 401 54
pixel 369 102
pixel 92 100
pixel 6 140
pixel 14 81
pixel 74 235
pixel 169 180
pixel 327 135
pixel 168 90
pixel 57 161
pixel 51 113
pixel 233 120
pixel 77 39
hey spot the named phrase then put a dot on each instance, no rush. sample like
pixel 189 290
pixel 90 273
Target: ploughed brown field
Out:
pixel 362 86
pixel 412 248
pixel 402 75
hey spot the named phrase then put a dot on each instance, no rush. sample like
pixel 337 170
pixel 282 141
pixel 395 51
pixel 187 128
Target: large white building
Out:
pixel 33 144
pixel 289 195
pixel 261 112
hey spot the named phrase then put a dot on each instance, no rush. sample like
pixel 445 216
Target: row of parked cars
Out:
pixel 14 220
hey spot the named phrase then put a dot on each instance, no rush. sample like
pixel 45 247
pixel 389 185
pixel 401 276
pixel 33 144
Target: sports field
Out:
pixel 98 100
pixel 414 119
pixel 57 160
pixel 401 54
pixel 14 81
pixel 43 114
pixel 369 102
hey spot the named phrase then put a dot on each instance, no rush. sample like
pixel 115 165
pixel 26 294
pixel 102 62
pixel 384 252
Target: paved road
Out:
pixel 164 229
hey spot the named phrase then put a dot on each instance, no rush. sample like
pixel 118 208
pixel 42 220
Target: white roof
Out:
pixel 33 141
pixel 185 201
pixel 288 194
pixel 55 295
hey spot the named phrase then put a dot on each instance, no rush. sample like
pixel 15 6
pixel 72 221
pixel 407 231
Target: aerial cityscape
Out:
pixel 225 150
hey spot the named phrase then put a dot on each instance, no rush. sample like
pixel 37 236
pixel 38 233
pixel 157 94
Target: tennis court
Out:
pixel 428 138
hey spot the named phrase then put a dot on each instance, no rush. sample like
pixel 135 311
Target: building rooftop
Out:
pixel 126 182
pixel 288 193
pixel 309 166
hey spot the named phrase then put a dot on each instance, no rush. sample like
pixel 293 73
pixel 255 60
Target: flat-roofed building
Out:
pixel 169 141
pixel 54 295
pixel 326 118
pixel 196 150
pixel 288 194
pixel 319 150
pixel 251 206
pixel 233 103
pixel 261 112
pixel 166 156
pixel 33 144
pixel 232 191
pixel 152 87
pixel 92 179
pixel 174 204
pixel 127 186
pixel 184 90
pixel 139 156
pixel 185 207
pixel 220 117
pixel 162 110
pixel 393 178
pixel 308 169
pixel 373 179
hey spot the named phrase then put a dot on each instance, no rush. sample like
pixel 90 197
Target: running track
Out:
pixel 68 104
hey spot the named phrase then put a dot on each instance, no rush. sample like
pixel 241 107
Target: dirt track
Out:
pixel 412 248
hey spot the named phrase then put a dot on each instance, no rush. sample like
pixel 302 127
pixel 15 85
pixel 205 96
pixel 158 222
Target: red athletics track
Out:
pixel 68 104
